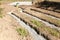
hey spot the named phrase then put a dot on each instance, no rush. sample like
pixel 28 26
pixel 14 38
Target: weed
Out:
pixel 37 23
pixel 52 31
pixel 22 31
pixel 1 12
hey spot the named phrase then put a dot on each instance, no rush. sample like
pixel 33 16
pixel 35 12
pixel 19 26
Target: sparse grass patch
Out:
pixel 51 31
pixel 22 31
pixel 1 12
pixel 38 23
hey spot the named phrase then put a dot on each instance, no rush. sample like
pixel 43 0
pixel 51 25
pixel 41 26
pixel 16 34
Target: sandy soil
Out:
pixel 8 31
pixel 8 26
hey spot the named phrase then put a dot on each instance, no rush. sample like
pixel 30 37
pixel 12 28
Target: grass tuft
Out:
pixel 22 32
pixel 1 12
pixel 38 23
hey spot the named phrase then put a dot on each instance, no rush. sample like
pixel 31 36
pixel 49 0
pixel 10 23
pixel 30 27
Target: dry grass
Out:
pixel 1 12
pixel 52 31
pixel 22 31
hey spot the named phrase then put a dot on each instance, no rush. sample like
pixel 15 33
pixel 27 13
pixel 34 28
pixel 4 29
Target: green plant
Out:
pixel 22 31
pixel 38 23
pixel 1 12
pixel 52 31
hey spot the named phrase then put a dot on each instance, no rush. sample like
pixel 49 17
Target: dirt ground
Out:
pixel 7 30
pixel 8 25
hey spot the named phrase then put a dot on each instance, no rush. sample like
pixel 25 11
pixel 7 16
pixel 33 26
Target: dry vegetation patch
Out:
pixel 52 31
pixel 22 31
pixel 1 13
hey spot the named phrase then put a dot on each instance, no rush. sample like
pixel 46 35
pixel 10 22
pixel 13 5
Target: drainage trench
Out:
pixel 31 30
pixel 46 13
pixel 50 25
pixel 41 18
pixel 50 10
pixel 38 32
pixel 44 21
pixel 27 23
